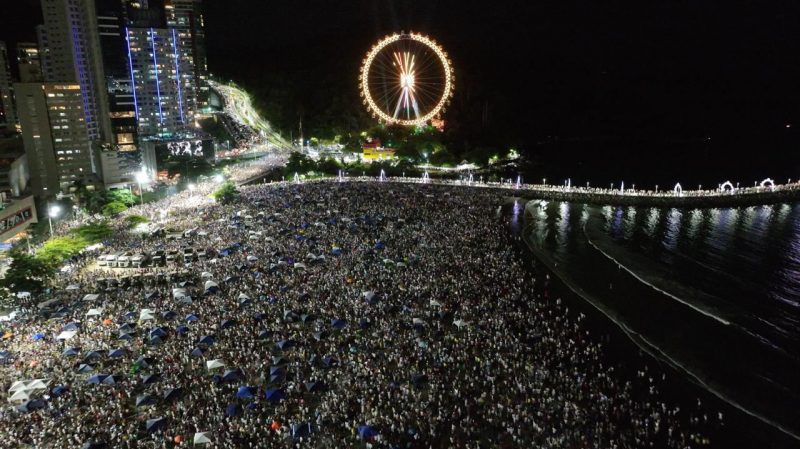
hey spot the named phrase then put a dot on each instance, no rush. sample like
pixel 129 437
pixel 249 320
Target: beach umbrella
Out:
pixel 370 297
pixel 285 344
pixel 181 329
pixel 73 326
pixel 329 361
pixel 191 318
pixel 66 335
pixel 275 395
pixel 206 340
pixel 156 424
pixel 201 438
pixel 259 316
pixel 20 396
pixel 59 390
pixel 232 375
pixel 314 386
pixel 245 392
pixel 146 399
pixel 460 323
pixel 226 324
pixel 197 352
pixel 366 432
pixel 171 394
pixel 71 352
pixel 127 327
pixel 158 332
pixel 233 410
pixel 93 355
pixel 84 368
pixel 37 337
pixel 279 360
pixel 94 445
pixel 126 336
pixel 319 335
pixel 214 364
pixel 168 315
pixel 155 341
pixel 151 378
pixel 31 405
pixel 114 353
pixel 97 379
pixel 338 323
pixel 265 335
pixel 305 318
pixel 110 380
pixel 72 287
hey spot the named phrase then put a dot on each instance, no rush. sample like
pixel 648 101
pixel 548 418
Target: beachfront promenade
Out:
pixel 729 196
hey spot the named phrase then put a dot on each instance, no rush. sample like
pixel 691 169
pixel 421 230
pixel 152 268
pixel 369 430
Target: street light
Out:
pixel 191 189
pixel 52 212
pixel 141 178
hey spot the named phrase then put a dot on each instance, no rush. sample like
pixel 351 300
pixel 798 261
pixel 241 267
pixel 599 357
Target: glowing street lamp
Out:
pixel 52 212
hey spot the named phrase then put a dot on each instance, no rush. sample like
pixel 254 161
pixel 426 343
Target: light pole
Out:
pixel 52 212
pixel 141 178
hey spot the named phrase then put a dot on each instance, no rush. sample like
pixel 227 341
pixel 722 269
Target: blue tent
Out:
pixel 300 430
pixel 338 323
pixel 275 395
pixel 314 386
pixel 110 380
pixel 336 251
pixel 232 375
pixel 114 353
pixel 97 378
pixel 197 352
pixel 155 341
pixel 58 390
pixel 206 340
pixel 37 337
pixel 319 335
pixel 305 318
pixel 156 424
pixel 275 370
pixel 84 368
pixel 329 361
pixel 278 360
pixel 73 326
pixel 285 344
pixel 233 410
pixel 5 356
pixel 172 393
pixel 227 324
pixel 265 335
pixel 182 329
pixel 151 378
pixel 143 362
pixel 366 432
pixel 29 406
pixel 245 392
pixel 71 352
pixel 127 327
pixel 168 315
pixel 191 317
pixel 158 332
pixel 93 355
pixel 146 399
pixel 126 336
pixel 152 295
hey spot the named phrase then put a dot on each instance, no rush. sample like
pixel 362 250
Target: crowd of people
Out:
pixel 325 314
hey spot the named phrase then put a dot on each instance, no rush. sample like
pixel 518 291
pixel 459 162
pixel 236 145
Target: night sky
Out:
pixel 646 90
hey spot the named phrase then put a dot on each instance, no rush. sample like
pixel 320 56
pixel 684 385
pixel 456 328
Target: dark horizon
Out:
pixel 704 91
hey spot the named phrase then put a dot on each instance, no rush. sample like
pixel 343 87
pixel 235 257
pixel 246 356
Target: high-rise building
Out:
pixel 74 56
pixel 29 63
pixel 154 58
pixel 186 17
pixel 54 134
pixel 44 52
pixel 8 116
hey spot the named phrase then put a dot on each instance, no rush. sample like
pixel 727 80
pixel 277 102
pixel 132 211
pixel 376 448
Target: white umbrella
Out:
pixel 460 323
pixel 94 312
pixel 252 258
pixel 216 363
pixel 435 303
pixel 20 396
pixel 178 293
pixel 299 266
pixel 73 287
pixel 206 275
pixel 202 438
pixel 91 297
pixel 37 384
pixel 66 335
pixel 210 284
pixel 243 296
pixel 19 385
pixel 146 315
pixel 416 321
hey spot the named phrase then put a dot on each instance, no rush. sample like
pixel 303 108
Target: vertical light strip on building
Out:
pixel 177 74
pixel 158 86
pixel 133 81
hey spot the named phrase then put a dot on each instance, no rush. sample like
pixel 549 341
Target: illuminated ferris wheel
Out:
pixel 406 79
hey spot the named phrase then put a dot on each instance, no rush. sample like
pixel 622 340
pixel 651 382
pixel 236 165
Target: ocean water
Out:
pixel 714 293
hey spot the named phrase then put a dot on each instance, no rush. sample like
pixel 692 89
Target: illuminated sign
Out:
pixel 12 221
pixel 186 148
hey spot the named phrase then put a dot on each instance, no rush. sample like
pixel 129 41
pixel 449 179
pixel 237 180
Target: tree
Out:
pixel 114 208
pixel 123 196
pixel 299 163
pixel 133 220
pixel 27 273
pixel 226 193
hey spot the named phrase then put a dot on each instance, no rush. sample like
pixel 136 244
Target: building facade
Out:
pixel 186 17
pixel 54 134
pixel 29 63
pixel 8 115
pixel 157 81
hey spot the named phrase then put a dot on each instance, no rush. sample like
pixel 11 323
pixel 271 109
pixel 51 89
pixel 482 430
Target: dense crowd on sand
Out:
pixel 331 314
